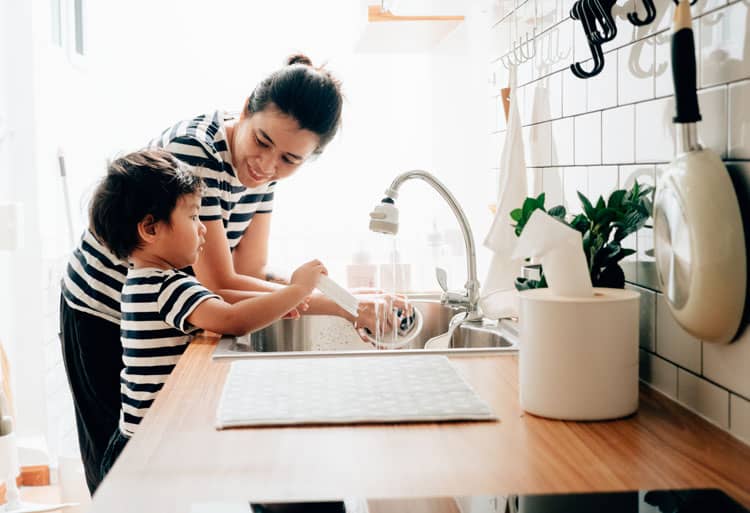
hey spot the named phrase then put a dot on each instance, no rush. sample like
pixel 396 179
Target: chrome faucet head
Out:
pixel 384 217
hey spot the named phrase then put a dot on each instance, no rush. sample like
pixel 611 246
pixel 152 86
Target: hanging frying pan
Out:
pixel 699 242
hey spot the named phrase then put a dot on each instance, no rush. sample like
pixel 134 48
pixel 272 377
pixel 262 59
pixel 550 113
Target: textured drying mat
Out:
pixel 285 391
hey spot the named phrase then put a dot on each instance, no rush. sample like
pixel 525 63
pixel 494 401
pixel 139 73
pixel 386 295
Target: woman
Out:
pixel 289 118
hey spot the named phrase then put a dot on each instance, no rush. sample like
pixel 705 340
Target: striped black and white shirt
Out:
pixel 94 276
pixel 154 332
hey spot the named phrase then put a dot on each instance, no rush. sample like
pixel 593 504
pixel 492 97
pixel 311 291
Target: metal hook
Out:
pixel 603 15
pixel 598 55
pixel 650 14
pixel 692 2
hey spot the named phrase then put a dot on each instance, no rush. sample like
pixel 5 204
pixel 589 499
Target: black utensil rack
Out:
pixel 599 26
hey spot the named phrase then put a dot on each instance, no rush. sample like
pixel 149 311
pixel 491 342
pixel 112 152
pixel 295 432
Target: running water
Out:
pixel 389 315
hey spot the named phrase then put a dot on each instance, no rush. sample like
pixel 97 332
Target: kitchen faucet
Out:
pixel 384 219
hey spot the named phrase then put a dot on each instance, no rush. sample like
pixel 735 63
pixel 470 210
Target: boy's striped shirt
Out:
pixel 154 332
pixel 94 276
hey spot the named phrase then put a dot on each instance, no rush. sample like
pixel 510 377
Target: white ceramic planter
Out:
pixel 579 356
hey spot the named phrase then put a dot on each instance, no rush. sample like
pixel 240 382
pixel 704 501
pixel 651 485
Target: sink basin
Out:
pixel 326 335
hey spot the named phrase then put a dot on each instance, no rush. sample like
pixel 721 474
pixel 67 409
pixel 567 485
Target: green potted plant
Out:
pixel 603 226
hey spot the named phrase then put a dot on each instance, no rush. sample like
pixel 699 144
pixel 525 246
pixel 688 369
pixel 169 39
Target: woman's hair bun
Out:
pixel 298 58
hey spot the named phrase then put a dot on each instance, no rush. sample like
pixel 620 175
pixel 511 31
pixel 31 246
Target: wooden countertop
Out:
pixel 177 459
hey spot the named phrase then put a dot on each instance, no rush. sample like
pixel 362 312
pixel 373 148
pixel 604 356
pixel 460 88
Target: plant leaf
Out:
pixel 516 214
pixel 615 199
pixel 558 212
pixel 588 208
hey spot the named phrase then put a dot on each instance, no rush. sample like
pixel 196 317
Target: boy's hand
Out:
pixel 307 275
pixel 297 312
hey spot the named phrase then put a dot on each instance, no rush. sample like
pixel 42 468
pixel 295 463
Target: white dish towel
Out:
pixel 362 389
pixel 498 296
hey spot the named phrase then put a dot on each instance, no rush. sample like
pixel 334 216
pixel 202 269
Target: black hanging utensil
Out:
pixel 583 11
pixel 650 14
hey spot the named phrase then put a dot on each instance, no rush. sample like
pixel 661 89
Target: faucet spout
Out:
pixel 471 297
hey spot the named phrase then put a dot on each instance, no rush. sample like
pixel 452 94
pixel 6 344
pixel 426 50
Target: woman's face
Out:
pixel 269 145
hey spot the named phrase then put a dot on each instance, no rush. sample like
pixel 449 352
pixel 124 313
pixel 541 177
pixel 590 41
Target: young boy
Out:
pixel 146 211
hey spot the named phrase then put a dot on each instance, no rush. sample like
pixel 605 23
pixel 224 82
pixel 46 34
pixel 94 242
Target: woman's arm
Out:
pixel 215 267
pixel 250 257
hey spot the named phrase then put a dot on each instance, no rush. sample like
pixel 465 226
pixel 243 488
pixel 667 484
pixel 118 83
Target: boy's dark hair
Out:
pixel 142 183
pixel 310 95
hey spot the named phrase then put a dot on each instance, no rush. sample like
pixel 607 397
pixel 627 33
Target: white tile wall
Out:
pixel 618 140
pixel 674 343
pixel 575 179
pixel 739 120
pixel 617 127
pixel 647 333
pixel 706 398
pixel 727 365
pixel 739 417
pixel 712 130
pixel 654 133
pixel 659 373
pixel 723 45
pixel 562 142
pixel 552 183
pixel 602 181
pixel 588 144
pixel 602 89
pixel 635 72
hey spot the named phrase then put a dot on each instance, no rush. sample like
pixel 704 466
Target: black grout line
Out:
pixel 700 376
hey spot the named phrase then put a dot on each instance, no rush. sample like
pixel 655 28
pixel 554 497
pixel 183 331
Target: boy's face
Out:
pixel 183 240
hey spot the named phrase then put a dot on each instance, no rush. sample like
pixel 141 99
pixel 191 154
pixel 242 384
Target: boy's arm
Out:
pixel 247 315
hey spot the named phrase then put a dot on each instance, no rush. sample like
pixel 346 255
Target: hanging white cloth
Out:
pixel 499 297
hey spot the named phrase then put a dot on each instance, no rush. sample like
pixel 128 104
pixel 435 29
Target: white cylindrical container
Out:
pixel 579 356
pixel 8 457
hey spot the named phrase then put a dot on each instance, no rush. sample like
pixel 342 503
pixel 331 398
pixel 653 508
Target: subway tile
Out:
pixel 703 397
pixel 643 173
pixel 727 364
pixel 654 131
pixel 534 181
pixel 645 242
pixel 618 135
pixel 722 45
pixel 554 86
pixel 559 52
pixel 739 417
pixel 664 15
pixel 500 38
pixel 575 179
pixel 552 183
pixel 602 181
pixel 562 142
pixel 739 120
pixel 673 342
pixel 658 373
pixel 574 94
pixel 712 130
pixel 663 84
pixel 647 332
pixel 525 70
pixel 547 13
pixel 705 6
pixel 635 77
pixel 565 6
pixel 602 88
pixel 539 144
pixel 588 139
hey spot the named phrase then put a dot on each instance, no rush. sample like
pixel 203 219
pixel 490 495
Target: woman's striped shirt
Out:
pixel 154 332
pixel 94 276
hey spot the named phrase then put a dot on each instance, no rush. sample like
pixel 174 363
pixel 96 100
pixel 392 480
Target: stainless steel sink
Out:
pixel 325 335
